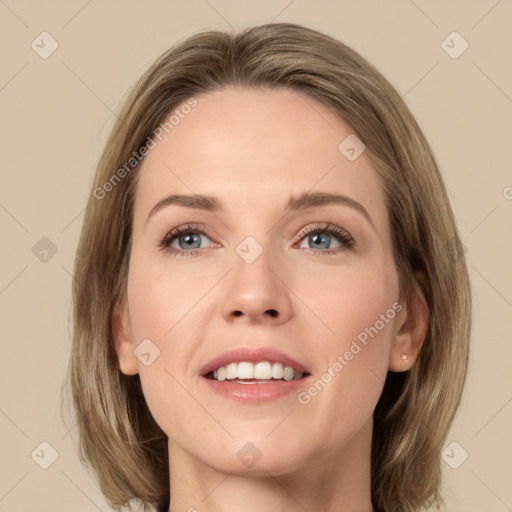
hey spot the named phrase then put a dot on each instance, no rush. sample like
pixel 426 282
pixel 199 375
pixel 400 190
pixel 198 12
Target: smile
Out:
pixel 245 372
pixel 255 374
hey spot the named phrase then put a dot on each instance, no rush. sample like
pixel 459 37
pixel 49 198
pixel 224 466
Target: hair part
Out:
pixel 118 437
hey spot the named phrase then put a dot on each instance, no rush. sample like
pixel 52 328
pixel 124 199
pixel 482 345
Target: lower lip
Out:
pixel 255 393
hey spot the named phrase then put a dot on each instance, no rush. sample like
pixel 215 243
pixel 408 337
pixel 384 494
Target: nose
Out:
pixel 257 292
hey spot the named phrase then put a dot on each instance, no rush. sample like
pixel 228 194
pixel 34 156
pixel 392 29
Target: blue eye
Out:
pixel 187 238
pixel 326 239
pixel 188 241
pixel 321 239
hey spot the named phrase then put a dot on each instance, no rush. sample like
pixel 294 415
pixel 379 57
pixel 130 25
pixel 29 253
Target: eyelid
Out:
pixel 324 227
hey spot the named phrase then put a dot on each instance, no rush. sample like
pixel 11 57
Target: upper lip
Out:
pixel 252 355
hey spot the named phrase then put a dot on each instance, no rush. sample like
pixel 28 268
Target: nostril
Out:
pixel 272 312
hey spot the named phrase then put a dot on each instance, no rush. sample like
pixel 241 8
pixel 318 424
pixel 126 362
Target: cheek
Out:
pixel 348 298
pixel 354 309
pixel 166 307
pixel 162 297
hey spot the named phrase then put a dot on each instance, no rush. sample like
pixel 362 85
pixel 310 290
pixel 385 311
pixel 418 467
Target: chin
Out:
pixel 274 465
pixel 254 458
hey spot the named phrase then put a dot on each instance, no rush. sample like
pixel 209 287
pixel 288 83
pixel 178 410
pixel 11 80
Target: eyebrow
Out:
pixel 302 202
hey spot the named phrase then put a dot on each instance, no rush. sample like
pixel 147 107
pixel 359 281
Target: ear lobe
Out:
pixel 411 329
pixel 123 340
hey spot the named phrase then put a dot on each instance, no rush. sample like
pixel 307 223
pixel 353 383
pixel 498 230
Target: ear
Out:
pixel 411 326
pixel 123 340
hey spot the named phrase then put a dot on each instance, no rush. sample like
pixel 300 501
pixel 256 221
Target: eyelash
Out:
pixel 343 237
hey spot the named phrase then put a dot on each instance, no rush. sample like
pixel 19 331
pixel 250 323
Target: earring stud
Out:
pixel 404 357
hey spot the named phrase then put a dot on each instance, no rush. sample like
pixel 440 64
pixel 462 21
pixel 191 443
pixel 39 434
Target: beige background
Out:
pixel 55 115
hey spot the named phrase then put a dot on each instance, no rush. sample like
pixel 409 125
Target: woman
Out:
pixel 270 309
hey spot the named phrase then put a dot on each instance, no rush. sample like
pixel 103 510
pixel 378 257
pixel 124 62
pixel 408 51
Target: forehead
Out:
pixel 251 148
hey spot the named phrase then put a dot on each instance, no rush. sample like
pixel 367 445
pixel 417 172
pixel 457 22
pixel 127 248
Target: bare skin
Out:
pixel 306 295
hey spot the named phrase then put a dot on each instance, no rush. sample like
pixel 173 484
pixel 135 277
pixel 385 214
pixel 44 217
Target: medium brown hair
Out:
pixel 118 437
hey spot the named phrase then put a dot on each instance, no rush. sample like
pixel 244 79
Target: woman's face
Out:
pixel 255 269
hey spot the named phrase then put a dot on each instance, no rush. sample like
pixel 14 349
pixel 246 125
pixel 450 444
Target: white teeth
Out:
pixel 232 371
pixel 263 370
pixel 245 370
pixel 288 373
pixel 277 371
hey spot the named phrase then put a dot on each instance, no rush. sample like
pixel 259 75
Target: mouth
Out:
pixel 261 372
pixel 254 375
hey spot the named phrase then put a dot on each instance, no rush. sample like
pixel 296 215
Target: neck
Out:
pixel 332 481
